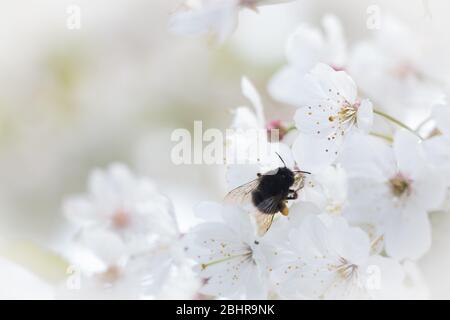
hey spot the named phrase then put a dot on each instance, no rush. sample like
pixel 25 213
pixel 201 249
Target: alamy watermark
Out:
pixel 373 21
pixel 232 146
pixel 73 21
pixel 73 281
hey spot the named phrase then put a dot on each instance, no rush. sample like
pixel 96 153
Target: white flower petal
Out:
pixel 250 92
pixel 382 277
pixel 105 244
pixel 304 47
pixel 364 156
pixel 429 189
pixel 19 284
pixel 230 256
pixel 245 119
pixel 365 116
pixel 284 86
pixel 408 235
pixel 316 121
pixel 219 17
pixel 407 152
pixel 80 210
pixel 340 83
pixel 348 242
pixel 441 114
pixel 314 154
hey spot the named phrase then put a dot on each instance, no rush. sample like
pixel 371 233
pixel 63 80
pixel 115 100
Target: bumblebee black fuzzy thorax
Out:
pixel 273 185
pixel 269 194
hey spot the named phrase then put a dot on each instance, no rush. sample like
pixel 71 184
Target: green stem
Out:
pixel 382 136
pixel 397 122
pixel 423 123
pixel 291 128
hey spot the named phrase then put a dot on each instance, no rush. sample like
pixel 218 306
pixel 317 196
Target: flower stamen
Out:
pixel 400 185
pixel 212 263
pixel 346 269
pixel 348 113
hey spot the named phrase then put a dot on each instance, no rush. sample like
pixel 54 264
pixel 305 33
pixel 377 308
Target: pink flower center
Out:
pixel 120 219
pixel 337 68
pixel 276 125
pixel 249 3
pixel 111 275
pixel 404 70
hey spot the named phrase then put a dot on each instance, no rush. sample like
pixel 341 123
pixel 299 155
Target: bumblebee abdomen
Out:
pixel 272 191
pixel 265 203
pixel 257 198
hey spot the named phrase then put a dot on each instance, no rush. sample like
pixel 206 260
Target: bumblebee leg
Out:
pixel 284 209
pixel 292 196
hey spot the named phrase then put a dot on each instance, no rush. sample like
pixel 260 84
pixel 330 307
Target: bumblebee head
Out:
pixel 286 174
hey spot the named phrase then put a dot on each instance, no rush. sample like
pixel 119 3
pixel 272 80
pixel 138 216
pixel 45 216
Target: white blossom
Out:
pixel 230 255
pixel 124 204
pixel 217 16
pixel 330 190
pixel 305 48
pixel 328 113
pixel 130 228
pixel 397 70
pixel 328 259
pixel 251 140
pixel 393 188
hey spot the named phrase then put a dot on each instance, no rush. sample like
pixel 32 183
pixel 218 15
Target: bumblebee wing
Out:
pixel 265 213
pixel 270 205
pixel 242 194
pixel 263 222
